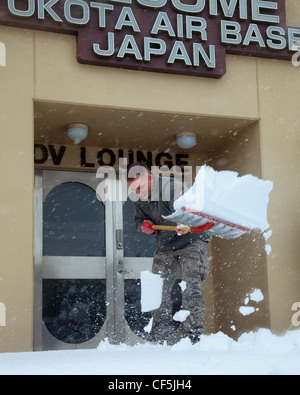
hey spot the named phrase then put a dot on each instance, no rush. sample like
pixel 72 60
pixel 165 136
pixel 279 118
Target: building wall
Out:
pixel 16 200
pixel 278 89
pixel 42 67
pixel 240 265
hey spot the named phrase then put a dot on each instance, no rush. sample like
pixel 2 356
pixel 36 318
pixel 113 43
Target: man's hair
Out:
pixel 136 168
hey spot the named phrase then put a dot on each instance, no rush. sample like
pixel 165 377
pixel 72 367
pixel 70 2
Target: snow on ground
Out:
pixel 254 353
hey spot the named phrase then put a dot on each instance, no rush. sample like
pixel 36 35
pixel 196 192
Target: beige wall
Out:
pixel 240 265
pixel 16 198
pixel 55 55
pixel 42 66
pixel 279 89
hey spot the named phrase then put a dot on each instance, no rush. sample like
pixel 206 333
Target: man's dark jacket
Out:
pixel 165 191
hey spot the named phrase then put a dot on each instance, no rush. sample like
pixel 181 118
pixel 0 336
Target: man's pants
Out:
pixel 191 265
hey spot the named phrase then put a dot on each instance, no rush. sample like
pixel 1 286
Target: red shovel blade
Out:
pixel 202 228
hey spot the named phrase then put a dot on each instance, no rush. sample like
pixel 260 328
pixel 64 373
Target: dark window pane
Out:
pixel 74 310
pixel 74 222
pixel 133 314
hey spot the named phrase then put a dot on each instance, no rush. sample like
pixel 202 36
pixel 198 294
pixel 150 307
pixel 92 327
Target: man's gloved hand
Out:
pixel 181 229
pixel 146 229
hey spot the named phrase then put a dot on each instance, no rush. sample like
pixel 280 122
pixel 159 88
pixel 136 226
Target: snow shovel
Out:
pixel 217 227
pixel 181 228
pixel 236 205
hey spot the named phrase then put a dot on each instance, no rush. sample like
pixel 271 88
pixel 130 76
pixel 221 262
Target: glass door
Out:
pixel 137 256
pixel 88 259
pixel 70 261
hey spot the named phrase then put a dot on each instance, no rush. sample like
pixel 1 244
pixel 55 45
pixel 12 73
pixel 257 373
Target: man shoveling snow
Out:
pixel 179 255
pixel 218 203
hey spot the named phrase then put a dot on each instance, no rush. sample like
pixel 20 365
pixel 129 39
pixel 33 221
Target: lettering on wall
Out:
pixel 174 36
pixel 49 156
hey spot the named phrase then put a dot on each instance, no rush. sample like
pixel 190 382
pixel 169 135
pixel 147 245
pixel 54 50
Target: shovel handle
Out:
pixel 186 229
pixel 175 228
pixel 158 227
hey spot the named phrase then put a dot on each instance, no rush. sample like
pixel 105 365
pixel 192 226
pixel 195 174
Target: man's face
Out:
pixel 141 185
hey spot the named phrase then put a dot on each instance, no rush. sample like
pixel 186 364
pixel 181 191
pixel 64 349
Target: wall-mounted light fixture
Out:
pixel 186 140
pixel 77 132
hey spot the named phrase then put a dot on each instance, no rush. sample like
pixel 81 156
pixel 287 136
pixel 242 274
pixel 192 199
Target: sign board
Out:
pixel 174 36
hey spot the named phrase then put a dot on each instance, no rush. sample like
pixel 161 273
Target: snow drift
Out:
pixel 254 353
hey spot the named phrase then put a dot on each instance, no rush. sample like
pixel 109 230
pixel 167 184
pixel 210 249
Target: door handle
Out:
pixel 119 239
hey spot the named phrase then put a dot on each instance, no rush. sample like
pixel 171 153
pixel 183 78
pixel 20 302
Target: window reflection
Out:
pixel 74 222
pixel 74 310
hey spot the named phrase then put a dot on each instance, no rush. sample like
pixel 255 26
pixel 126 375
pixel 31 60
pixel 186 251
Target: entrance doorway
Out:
pixel 88 259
